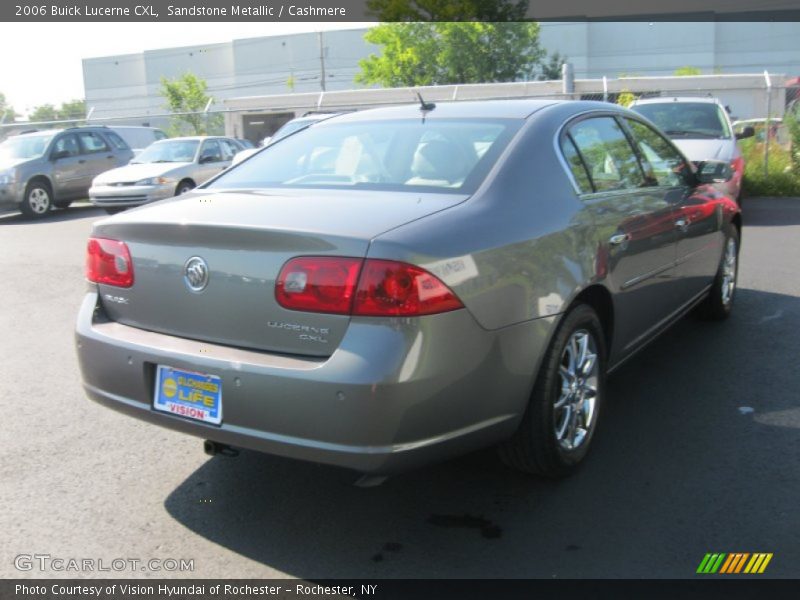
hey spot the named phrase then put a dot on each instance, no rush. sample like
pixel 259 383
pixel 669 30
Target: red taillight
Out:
pixel 109 262
pixel 318 284
pixel 361 287
pixel 388 288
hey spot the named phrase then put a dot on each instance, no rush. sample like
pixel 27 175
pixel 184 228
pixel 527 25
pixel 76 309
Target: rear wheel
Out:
pixel 719 303
pixel 38 200
pixel 562 413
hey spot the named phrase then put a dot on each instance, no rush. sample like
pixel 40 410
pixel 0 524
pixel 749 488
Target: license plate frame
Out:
pixel 188 394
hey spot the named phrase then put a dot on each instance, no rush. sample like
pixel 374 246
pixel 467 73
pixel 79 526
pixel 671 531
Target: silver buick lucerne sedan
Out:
pixel 400 285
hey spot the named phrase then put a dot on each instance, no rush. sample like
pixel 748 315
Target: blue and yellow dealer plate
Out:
pixel 188 394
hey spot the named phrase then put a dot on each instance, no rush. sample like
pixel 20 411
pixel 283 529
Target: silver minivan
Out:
pixel 702 129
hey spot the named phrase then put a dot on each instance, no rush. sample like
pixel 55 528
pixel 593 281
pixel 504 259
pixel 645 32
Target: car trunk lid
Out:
pixel 244 239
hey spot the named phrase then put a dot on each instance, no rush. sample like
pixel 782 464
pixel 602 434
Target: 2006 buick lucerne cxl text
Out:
pixel 400 285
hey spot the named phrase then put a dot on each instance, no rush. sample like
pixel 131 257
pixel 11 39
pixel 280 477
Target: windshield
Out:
pixel 25 146
pixel 168 151
pixel 687 119
pixel 434 155
pixel 290 127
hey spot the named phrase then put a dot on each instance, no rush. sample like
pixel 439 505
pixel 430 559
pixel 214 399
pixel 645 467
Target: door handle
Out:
pixel 682 224
pixel 620 238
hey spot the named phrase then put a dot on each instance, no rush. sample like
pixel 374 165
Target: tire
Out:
pixel 38 200
pixel 550 441
pixel 719 303
pixel 113 210
pixel 184 186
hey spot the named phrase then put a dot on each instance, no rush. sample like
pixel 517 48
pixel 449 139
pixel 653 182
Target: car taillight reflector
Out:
pixel 318 284
pixel 109 262
pixel 388 288
pixel 377 288
pixel 737 164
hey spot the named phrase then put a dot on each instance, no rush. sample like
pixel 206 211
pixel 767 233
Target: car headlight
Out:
pixel 7 177
pixel 154 181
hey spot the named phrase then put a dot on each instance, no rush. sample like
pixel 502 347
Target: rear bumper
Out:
pixel 396 394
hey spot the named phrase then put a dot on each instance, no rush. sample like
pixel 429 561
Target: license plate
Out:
pixel 188 394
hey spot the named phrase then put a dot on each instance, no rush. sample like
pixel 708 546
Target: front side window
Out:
pixel 607 154
pixel 666 165
pixel 92 142
pixel 66 145
pixel 210 152
pixel 434 154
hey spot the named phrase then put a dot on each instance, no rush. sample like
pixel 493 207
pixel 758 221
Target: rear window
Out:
pixel 432 155
pixel 687 119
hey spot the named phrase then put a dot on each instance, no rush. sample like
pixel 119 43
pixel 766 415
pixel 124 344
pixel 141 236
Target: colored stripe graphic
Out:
pixel 711 563
pixel 734 563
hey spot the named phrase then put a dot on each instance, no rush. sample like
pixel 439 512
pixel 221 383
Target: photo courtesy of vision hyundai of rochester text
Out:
pixel 396 286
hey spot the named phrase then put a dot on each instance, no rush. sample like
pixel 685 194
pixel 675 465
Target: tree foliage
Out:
pixel 188 94
pixel 447 10
pixel 72 110
pixel 551 69
pixel 451 52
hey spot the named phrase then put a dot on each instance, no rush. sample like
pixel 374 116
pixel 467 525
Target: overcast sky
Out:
pixel 41 62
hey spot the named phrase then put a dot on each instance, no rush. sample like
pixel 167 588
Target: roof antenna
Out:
pixel 425 106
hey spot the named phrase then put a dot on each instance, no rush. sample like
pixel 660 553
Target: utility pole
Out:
pixel 321 61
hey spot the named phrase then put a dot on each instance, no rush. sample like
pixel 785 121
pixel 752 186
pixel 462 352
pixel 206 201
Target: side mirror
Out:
pixel 747 132
pixel 59 154
pixel 714 171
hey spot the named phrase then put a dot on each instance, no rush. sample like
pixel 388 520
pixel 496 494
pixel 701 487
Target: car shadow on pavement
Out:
pixel 67 214
pixel 686 447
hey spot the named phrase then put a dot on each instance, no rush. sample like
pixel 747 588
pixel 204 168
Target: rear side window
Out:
pixel 607 154
pixel 160 135
pixel 576 166
pixel 92 142
pixel 665 165
pixel 116 141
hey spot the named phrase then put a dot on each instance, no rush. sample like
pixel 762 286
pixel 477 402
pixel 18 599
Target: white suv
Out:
pixel 702 129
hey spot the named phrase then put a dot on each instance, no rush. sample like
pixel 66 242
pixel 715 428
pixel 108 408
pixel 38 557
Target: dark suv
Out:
pixel 52 168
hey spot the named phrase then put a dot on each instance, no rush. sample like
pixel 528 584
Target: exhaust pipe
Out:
pixel 213 448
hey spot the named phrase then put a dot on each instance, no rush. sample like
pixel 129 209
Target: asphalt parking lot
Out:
pixel 697 452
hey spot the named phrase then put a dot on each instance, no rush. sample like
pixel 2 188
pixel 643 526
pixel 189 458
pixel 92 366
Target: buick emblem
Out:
pixel 195 274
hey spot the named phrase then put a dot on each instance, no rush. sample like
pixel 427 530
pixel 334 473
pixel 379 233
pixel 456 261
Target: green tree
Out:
pixel 43 112
pixel 451 52
pixel 625 98
pixel 447 10
pixel 188 94
pixel 552 68
pixel 683 71
pixel 72 110
pixel 6 110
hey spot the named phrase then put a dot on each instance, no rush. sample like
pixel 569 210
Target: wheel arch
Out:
pixel 599 299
